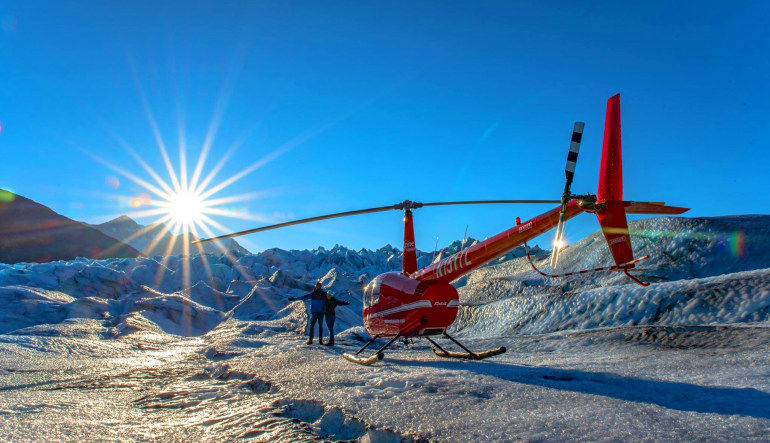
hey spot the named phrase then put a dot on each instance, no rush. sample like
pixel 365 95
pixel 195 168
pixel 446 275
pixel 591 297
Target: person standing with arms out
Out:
pixel 317 308
pixel 331 304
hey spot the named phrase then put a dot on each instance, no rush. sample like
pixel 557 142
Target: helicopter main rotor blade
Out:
pixel 403 205
pixel 300 221
pixel 482 202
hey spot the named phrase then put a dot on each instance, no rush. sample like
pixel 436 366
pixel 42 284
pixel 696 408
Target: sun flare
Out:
pixel 185 207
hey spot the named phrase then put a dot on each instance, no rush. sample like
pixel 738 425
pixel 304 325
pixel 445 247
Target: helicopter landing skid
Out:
pixel 468 354
pixel 366 361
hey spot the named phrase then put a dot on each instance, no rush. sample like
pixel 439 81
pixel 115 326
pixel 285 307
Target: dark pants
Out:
pixel 316 317
pixel 330 325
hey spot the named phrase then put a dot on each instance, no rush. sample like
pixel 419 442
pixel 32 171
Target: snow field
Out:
pixel 589 358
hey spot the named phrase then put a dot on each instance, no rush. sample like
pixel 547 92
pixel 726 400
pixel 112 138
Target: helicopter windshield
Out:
pixel 372 292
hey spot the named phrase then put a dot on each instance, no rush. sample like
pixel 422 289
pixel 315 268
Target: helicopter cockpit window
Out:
pixel 372 292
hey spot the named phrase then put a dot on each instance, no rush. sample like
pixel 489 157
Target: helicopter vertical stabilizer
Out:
pixel 609 196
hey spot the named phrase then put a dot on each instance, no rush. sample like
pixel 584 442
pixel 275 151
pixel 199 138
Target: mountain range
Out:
pixel 31 232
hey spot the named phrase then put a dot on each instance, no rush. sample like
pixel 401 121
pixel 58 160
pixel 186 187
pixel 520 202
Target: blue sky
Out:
pixel 371 103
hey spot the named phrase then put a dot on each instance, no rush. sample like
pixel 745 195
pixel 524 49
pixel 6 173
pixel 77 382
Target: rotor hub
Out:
pixel 587 202
pixel 407 204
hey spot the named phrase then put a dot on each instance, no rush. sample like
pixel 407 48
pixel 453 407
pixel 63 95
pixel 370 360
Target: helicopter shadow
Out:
pixel 680 396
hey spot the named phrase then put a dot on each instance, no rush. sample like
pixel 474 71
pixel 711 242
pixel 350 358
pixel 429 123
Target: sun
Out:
pixel 187 204
pixel 185 207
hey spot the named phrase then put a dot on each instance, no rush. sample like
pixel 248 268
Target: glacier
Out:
pixel 688 352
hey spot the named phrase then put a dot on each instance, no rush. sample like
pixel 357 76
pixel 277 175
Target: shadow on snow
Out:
pixel 680 396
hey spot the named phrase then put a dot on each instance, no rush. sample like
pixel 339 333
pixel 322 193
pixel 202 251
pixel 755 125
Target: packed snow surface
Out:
pixel 210 346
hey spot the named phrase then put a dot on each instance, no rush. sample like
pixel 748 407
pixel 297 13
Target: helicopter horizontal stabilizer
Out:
pixel 652 208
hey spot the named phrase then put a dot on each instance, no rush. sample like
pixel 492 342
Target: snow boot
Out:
pixel 310 341
pixel 330 343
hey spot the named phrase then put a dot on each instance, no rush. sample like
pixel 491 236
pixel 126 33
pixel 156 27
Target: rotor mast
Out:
pixel 409 256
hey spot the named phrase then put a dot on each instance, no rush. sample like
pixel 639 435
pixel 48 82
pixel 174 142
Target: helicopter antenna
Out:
pixel 434 251
pixel 465 237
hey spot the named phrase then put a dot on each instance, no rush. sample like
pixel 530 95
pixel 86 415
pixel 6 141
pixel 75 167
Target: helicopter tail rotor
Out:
pixel 569 173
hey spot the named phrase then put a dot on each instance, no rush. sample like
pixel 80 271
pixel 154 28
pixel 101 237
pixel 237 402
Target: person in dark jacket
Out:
pixel 317 308
pixel 331 304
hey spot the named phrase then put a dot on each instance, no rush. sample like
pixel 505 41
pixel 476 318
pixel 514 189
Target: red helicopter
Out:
pixel 423 303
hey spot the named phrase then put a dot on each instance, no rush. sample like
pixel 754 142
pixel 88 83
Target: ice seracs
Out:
pixel 504 297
